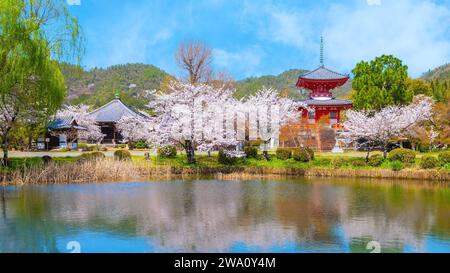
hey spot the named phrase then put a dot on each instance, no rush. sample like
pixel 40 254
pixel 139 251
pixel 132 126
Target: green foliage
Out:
pixel 441 90
pixel 323 161
pixel 93 155
pixel 403 155
pixel 141 145
pixel 375 160
pixel 283 153
pixel 339 162
pixel 429 162
pixel 251 152
pixel 121 146
pixel 396 165
pixel 122 155
pixel 168 151
pixel 444 157
pixel 31 82
pixel 303 154
pixel 380 83
pixel 359 163
pixel 418 87
pixel 226 159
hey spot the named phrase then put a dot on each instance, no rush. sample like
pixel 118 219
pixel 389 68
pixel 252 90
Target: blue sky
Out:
pixel 260 37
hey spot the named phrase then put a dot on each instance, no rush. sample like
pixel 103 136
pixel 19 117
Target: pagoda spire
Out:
pixel 321 50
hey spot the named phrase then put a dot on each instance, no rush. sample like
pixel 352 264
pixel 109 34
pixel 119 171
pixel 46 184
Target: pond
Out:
pixel 286 215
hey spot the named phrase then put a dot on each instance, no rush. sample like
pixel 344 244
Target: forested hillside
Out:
pixel 98 86
pixel 440 73
pixel 284 82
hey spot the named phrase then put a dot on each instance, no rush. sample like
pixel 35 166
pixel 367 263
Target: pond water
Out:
pixel 299 215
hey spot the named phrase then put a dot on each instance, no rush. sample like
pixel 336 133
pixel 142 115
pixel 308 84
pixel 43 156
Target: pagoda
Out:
pixel 320 82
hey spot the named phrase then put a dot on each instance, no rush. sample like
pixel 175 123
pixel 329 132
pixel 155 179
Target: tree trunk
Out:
pixel 30 142
pixel 367 155
pixel 385 151
pixel 189 152
pixel 265 152
pixel 5 145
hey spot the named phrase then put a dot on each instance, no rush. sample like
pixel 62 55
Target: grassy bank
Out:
pixel 75 170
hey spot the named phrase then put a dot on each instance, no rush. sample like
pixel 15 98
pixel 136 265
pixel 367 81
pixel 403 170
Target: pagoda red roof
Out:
pixel 323 73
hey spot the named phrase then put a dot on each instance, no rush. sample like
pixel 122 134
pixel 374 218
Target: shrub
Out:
pixel 122 155
pixel 403 155
pixel 121 146
pixel 429 162
pixel 310 152
pixel 65 149
pixel 168 151
pixel 375 160
pixel 255 143
pixel 444 157
pixel 46 159
pixel 283 153
pixel 226 158
pixel 338 162
pixel 141 145
pixel 83 146
pixel 302 155
pixel 359 163
pixel 93 155
pixel 251 152
pixel 397 165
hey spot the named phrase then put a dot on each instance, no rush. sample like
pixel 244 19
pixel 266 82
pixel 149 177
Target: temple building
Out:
pixel 320 82
pixel 318 128
pixel 62 132
pixel 109 114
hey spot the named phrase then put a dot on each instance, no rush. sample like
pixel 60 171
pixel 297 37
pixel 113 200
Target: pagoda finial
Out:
pixel 321 50
pixel 117 95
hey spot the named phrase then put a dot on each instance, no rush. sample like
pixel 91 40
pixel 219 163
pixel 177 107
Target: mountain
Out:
pixel 440 73
pixel 284 82
pixel 98 86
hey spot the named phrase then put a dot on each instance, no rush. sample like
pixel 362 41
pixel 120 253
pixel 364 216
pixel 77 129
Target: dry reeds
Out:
pixel 109 170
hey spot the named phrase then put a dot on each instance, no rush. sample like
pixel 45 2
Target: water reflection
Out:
pixel 316 215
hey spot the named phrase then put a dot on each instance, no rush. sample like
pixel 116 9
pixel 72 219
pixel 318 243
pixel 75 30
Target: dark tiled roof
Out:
pixel 114 111
pixel 327 102
pixel 64 123
pixel 323 73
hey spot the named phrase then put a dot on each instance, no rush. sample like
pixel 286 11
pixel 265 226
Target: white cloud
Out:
pixel 246 61
pixel 373 2
pixel 74 2
pixel 414 31
pixel 287 27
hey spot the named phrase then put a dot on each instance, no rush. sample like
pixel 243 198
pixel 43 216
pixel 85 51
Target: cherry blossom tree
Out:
pixel 134 128
pixel 267 112
pixel 379 128
pixel 191 115
pixel 80 114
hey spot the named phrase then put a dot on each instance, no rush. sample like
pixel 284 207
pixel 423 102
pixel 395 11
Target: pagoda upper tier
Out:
pixel 321 81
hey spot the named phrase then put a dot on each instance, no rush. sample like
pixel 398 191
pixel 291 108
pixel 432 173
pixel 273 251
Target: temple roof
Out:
pixel 66 122
pixel 323 73
pixel 113 111
pixel 331 102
